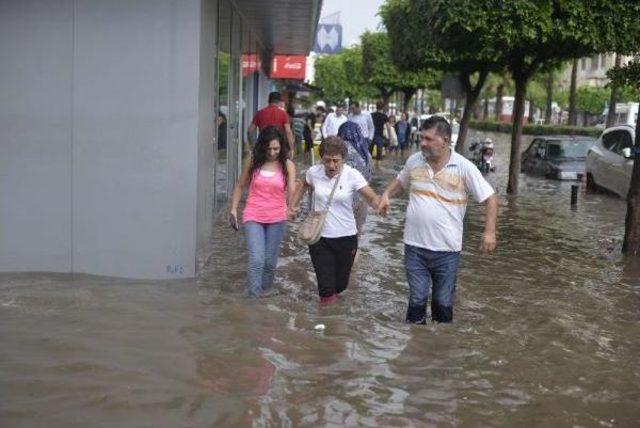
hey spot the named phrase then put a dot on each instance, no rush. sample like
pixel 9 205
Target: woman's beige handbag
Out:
pixel 311 228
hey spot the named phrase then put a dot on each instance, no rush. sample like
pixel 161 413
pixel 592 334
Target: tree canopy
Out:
pixel 526 37
pixel 340 76
pixel 380 70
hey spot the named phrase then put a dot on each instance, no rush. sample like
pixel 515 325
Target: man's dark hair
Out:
pixel 443 128
pixel 379 105
pixel 340 105
pixel 355 104
pixel 274 97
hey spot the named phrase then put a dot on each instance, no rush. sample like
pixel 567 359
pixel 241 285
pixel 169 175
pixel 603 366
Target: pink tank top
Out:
pixel 266 202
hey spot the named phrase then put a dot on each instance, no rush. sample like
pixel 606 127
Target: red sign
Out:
pixel 250 63
pixel 288 67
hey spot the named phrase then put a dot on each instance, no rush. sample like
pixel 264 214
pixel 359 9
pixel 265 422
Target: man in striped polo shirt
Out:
pixel 438 180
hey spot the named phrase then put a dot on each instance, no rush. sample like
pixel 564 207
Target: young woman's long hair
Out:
pixel 259 156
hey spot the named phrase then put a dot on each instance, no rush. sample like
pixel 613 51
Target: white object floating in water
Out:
pixel 319 327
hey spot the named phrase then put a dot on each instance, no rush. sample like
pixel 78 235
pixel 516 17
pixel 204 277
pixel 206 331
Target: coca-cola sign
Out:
pixel 288 67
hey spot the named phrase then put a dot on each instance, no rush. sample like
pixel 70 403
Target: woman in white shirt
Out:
pixel 332 256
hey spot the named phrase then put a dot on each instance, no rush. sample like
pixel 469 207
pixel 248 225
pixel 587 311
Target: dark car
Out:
pixel 560 157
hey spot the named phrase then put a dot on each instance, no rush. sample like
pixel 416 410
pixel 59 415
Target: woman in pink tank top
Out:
pixel 269 177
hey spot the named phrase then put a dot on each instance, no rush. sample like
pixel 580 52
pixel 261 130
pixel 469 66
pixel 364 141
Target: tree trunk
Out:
pixel 408 94
pixel 532 109
pixel 516 134
pixel 385 98
pixel 631 243
pixel 477 110
pixel 573 114
pixel 472 94
pixel 499 94
pixel 549 105
pixel 485 110
pixel 611 115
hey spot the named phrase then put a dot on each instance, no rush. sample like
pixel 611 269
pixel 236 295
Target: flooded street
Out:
pixel 545 333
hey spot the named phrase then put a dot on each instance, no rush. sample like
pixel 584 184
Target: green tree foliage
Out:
pixel 592 100
pixel 331 77
pixel 628 94
pixel 528 37
pixel 588 99
pixel 340 76
pixel 380 71
pixel 419 41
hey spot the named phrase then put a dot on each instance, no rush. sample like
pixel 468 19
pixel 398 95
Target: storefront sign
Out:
pixel 250 63
pixel 288 67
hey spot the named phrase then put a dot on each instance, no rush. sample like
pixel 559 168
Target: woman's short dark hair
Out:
pixel 333 145
pixel 442 126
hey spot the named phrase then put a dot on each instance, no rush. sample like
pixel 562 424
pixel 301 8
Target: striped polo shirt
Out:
pixel 438 202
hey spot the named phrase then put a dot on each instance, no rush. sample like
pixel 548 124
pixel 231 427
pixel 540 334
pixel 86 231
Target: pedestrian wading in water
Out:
pixel 439 181
pixel 332 256
pixel 270 177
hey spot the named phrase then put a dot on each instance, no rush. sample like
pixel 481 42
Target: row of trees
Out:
pixel 521 38
pixel 368 71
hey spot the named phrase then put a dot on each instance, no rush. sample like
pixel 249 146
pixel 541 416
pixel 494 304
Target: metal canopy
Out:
pixel 283 26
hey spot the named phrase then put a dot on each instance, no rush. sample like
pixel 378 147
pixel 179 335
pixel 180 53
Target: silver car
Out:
pixel 610 161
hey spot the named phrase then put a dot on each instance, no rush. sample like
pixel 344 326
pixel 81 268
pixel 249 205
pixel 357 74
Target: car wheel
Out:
pixel 591 183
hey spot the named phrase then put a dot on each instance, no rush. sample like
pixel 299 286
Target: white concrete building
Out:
pixel 111 162
pixel 592 71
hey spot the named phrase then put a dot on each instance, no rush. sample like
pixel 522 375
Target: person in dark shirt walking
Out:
pixel 403 131
pixel 380 120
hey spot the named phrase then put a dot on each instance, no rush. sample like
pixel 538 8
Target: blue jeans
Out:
pixel 263 243
pixel 427 270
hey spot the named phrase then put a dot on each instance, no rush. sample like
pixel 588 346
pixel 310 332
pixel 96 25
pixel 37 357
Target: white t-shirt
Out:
pixel 332 123
pixel 340 220
pixel 437 203
pixel 365 122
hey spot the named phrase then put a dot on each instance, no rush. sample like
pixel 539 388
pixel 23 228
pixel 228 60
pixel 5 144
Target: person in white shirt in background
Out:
pixel 333 121
pixel 364 120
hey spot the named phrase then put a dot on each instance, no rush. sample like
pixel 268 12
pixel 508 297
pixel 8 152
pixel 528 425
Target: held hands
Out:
pixel 488 243
pixel 383 205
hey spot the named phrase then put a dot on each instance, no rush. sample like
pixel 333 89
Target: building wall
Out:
pixel 99 133
pixel 135 137
pixel 206 128
pixel 35 134
pixel 592 71
pixel 108 138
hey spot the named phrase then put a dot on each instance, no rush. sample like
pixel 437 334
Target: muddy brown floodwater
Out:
pixel 546 333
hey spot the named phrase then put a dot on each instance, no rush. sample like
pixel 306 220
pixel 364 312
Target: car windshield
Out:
pixel 568 149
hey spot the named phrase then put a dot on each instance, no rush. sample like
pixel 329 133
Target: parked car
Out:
pixel 557 156
pixel 610 161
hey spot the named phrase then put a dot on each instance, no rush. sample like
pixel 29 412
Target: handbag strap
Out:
pixel 313 199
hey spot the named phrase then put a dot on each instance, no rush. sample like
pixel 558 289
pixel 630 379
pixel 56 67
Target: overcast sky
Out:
pixel 356 16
